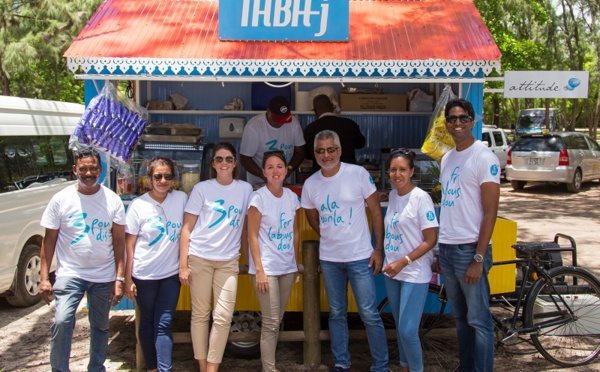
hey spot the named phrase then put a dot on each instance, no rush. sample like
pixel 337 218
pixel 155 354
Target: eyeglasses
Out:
pixel 219 159
pixel 166 176
pixel 330 150
pixel 463 118
pixel 406 152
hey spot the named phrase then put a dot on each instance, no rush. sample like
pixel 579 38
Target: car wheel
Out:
pixel 245 321
pixel 575 186
pixel 27 280
pixel 517 185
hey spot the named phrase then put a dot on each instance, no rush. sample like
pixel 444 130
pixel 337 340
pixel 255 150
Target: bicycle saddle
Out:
pixel 530 248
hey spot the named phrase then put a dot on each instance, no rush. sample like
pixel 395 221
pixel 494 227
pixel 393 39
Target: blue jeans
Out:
pixel 156 300
pixel 68 293
pixel 336 276
pixel 470 306
pixel 407 301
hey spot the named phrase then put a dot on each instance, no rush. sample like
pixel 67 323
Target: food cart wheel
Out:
pixel 245 321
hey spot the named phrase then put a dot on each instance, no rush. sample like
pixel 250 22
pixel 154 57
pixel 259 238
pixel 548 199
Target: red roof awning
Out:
pixel 393 37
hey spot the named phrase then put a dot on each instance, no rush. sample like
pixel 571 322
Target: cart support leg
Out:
pixel 311 304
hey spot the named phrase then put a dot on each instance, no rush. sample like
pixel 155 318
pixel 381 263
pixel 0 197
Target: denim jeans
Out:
pixel 407 301
pixel 336 276
pixel 156 301
pixel 470 306
pixel 68 293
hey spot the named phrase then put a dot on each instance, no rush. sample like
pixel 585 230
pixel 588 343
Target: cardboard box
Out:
pixel 373 102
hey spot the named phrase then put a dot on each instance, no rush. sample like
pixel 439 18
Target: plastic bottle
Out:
pixel 190 176
pixel 143 185
pixel 124 179
pixel 176 178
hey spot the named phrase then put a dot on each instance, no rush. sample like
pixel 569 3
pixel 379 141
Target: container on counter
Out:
pixel 124 180
pixel 176 177
pixel 143 182
pixel 190 176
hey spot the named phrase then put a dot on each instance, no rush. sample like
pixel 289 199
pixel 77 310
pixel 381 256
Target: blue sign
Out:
pixel 284 20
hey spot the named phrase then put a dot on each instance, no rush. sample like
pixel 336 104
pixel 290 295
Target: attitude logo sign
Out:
pixel 546 84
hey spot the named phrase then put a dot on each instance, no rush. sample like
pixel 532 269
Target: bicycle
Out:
pixel 557 306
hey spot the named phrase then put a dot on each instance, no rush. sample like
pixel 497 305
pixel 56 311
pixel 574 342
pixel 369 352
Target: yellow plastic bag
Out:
pixel 438 140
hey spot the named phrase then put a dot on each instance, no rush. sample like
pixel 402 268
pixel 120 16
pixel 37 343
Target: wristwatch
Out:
pixel 478 258
pixel 120 279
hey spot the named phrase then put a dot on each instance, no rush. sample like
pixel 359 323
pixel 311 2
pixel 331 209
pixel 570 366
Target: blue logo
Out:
pixel 494 169
pixel 430 216
pixel 573 83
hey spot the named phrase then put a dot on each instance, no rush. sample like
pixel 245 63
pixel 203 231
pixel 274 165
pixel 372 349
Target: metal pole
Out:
pixel 311 304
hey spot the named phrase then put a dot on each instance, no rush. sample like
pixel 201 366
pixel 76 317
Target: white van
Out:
pixel 497 141
pixel 35 164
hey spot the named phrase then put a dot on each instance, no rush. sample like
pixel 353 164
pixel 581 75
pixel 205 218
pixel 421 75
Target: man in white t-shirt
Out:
pixel 470 178
pixel 334 202
pixel 276 129
pixel 85 226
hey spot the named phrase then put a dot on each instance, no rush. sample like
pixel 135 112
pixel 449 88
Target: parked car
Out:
pixel 533 121
pixel 560 157
pixel 497 141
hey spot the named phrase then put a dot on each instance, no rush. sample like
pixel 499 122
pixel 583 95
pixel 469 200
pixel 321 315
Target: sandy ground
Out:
pixel 540 211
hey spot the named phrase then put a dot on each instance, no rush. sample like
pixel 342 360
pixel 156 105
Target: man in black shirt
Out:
pixel 350 136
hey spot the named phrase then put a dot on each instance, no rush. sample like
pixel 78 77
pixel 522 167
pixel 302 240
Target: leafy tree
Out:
pixel 34 34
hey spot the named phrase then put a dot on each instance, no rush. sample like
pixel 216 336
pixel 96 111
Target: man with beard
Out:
pixel 334 201
pixel 85 226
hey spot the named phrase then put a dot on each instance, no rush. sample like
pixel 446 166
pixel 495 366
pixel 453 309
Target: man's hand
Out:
pixel 46 291
pixel 377 259
pixel 130 289
pixel 117 293
pixel 474 272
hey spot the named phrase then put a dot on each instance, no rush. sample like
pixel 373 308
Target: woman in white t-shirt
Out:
pixel 153 230
pixel 410 234
pixel 273 238
pixel 213 231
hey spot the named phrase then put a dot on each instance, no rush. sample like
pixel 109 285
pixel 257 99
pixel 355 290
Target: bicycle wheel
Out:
pixel 566 338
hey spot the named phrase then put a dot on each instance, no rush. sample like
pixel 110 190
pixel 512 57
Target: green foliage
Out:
pixel 555 35
pixel 34 34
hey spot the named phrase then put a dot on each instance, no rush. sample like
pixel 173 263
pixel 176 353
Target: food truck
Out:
pixel 228 58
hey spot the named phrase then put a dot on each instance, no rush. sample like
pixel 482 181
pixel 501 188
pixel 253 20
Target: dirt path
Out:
pixel 540 211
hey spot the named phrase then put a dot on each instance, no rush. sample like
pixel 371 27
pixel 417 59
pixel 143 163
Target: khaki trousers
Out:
pixel 219 279
pixel 272 307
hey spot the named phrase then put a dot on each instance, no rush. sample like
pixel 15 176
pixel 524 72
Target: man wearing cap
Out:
pixel 276 129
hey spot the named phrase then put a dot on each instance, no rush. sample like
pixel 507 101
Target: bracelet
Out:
pixel 408 260
pixel 120 279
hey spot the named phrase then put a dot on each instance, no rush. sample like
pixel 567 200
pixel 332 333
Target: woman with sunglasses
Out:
pixel 214 228
pixel 410 234
pixel 153 230
pixel 273 237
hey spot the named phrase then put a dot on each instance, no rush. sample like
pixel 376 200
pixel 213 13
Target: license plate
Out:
pixel 535 161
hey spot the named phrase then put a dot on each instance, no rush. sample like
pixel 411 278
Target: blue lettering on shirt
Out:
pixel 450 191
pixel 332 208
pixel 79 221
pixel 285 239
pixel 393 240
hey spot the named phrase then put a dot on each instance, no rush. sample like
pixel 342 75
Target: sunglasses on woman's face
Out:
pixel 166 176
pixel 229 159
